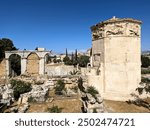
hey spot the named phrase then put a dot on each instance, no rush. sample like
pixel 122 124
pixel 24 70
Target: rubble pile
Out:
pixel 92 104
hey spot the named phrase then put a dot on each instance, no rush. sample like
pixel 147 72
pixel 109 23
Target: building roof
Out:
pixel 114 19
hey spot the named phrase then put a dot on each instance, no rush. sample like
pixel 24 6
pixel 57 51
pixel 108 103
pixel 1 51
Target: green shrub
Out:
pixel 67 61
pixel 140 90
pixel 60 85
pixel 20 87
pixel 55 109
pixel 145 80
pixel 145 71
pixel 54 61
pixel 147 88
pixel 74 72
pixel 92 91
pixel 145 61
pixel 57 60
pixel 83 61
pixel 80 84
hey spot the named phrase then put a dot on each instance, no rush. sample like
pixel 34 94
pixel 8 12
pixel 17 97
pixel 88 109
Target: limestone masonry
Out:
pixel 32 62
pixel 115 62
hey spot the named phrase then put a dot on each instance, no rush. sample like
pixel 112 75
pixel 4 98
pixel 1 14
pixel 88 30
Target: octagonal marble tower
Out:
pixel 116 53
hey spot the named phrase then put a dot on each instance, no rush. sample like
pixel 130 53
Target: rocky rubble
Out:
pixel 37 94
pixel 23 108
pixel 92 104
pixel 140 95
pixel 142 92
pixel 6 92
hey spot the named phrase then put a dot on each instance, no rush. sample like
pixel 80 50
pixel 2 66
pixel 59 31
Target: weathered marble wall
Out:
pixel 3 68
pixel 116 52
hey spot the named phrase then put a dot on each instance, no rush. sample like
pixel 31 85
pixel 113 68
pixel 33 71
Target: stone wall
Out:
pixel 122 67
pixel 116 52
pixel 33 64
pixel 98 52
pixel 2 68
pixel 95 80
pixel 58 69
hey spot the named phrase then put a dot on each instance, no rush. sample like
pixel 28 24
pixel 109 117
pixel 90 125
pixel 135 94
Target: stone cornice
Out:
pixel 115 20
pixel 24 51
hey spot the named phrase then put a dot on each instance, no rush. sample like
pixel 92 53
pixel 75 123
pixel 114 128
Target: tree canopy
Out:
pixel 15 62
pixel 145 61
pixel 6 45
pixel 83 61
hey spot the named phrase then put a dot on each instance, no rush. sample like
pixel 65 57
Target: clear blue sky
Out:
pixel 60 24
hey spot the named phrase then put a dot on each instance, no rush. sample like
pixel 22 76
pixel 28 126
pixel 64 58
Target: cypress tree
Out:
pixel 66 53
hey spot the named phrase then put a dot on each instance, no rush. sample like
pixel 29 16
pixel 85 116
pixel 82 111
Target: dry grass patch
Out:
pixel 124 107
pixel 67 105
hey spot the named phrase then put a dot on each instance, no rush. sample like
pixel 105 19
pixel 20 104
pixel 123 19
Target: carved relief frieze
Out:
pixel 123 28
pixel 133 29
pixel 115 29
pixel 97 33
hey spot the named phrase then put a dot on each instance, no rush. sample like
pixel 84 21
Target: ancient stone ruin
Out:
pixel 115 60
pixel 32 62
pixel 114 69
